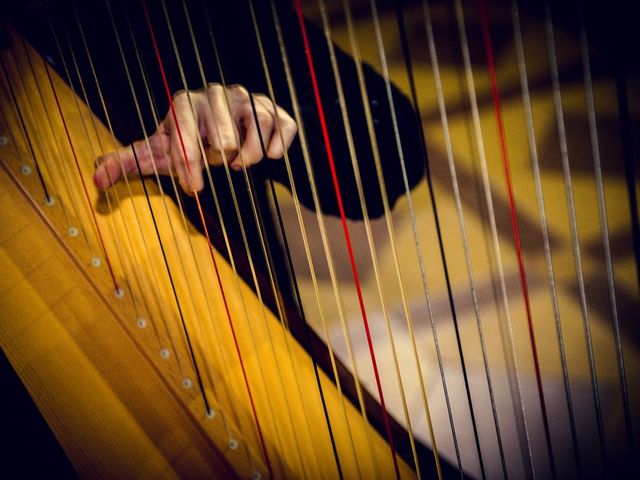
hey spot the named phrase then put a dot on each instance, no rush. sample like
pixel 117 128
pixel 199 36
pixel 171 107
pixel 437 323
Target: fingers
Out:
pixel 258 135
pixel 283 136
pixel 223 118
pixel 232 119
pixel 221 129
pixel 184 146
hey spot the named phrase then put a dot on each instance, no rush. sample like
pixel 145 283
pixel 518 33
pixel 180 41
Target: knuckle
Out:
pixel 180 96
pixel 264 118
pixel 214 88
pixel 227 142
pixel 239 90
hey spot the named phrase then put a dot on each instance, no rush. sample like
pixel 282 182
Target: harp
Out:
pixel 461 301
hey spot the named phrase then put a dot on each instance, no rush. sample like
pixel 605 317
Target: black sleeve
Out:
pixel 382 119
pixel 230 26
pixel 243 65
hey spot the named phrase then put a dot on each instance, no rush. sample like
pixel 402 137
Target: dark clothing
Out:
pixel 235 38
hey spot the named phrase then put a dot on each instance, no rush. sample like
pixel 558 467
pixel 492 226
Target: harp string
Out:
pixel 414 228
pixel 211 252
pixel 544 226
pixel 171 177
pixel 257 217
pixel 320 220
pixel 181 260
pixel 470 86
pixel 323 235
pixel 47 197
pixel 266 251
pixel 64 185
pixel 190 349
pixel 227 380
pixel 575 242
pixel 238 215
pixel 101 151
pixel 91 145
pixel 370 240
pixel 604 224
pixel 147 255
pixel 39 135
pixel 371 243
pixel 495 94
pixel 347 236
pixel 414 99
pixel 84 186
pixel 308 345
pixel 459 212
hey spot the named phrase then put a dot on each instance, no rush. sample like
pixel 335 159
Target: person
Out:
pixel 132 71
pixel 223 119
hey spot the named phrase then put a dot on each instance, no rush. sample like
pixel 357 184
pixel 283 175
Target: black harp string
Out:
pixel 70 82
pixel 256 215
pixel 190 294
pixel 185 331
pixel 236 206
pixel 308 345
pixel 87 202
pixel 228 247
pixel 455 186
pixel 154 111
pixel 407 59
pixel 290 267
pixel 480 150
pixel 319 218
pixel 237 278
pixel 11 138
pixel 414 98
pixel 307 250
pixel 406 55
pixel 65 183
pixel 544 226
pixel 604 225
pixel 112 209
pixel 43 169
pixel 390 231
pixel 150 263
pixel 55 182
pixel 575 240
pixel 25 132
pixel 147 256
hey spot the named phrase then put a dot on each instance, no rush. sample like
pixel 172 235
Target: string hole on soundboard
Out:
pixel 142 323
pixel 187 383
pixel 164 353
pixel 211 413
pixel 26 170
pixel 50 201
pixel 73 232
pixel 119 292
pixel 256 476
pixel 233 443
pixel 3 140
pixel 96 262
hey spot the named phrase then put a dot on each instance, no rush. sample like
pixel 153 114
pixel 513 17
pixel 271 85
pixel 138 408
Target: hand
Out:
pixel 218 125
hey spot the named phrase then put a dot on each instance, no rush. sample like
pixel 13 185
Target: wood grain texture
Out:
pixel 117 407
